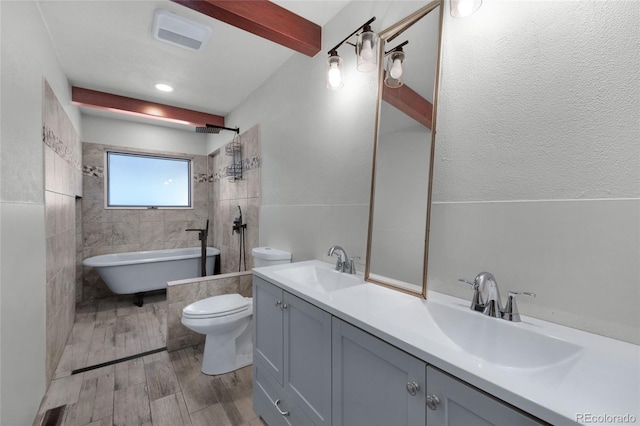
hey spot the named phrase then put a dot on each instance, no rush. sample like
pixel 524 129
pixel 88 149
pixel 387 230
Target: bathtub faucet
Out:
pixel 203 234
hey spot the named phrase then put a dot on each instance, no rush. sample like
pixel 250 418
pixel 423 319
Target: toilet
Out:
pixel 269 256
pixel 225 320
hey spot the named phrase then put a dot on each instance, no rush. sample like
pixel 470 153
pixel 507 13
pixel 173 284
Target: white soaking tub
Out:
pixel 142 271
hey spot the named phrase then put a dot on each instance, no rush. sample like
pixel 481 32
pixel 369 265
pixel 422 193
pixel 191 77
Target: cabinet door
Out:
pixel 268 327
pixel 307 358
pixel 463 405
pixel 370 380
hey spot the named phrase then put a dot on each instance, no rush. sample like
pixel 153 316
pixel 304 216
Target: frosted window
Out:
pixel 135 180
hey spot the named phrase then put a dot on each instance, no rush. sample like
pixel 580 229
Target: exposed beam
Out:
pixel 108 102
pixel 264 19
pixel 410 102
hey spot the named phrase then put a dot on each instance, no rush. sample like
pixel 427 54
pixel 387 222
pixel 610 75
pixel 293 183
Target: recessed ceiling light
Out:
pixel 164 87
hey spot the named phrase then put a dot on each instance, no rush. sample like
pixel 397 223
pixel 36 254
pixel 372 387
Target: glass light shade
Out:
pixel 394 70
pixel 334 72
pixel 464 8
pixel 367 50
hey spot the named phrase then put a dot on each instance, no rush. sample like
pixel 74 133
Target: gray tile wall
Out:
pixel 228 195
pixel 185 292
pixel 62 184
pixel 117 231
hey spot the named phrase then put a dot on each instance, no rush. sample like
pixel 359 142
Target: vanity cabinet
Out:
pixel 292 358
pixel 374 383
pixel 453 402
pixel 311 368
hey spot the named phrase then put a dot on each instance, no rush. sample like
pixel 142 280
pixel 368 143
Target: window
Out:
pixel 138 180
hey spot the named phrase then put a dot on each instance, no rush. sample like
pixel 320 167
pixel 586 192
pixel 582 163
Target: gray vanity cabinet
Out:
pixel 292 344
pixel 374 383
pixel 453 402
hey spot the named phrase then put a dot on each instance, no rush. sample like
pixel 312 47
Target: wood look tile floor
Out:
pixel 158 389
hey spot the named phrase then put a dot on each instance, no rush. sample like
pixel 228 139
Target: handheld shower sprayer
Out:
pixel 239 227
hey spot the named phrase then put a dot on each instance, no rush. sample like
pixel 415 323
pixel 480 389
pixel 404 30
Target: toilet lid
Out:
pixel 217 306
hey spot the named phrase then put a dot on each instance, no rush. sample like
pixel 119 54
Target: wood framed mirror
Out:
pixel 398 239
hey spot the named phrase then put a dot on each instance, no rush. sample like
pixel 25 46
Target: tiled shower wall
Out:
pixel 228 195
pixel 125 230
pixel 63 182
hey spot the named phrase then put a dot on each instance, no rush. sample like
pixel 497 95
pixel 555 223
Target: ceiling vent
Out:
pixel 179 31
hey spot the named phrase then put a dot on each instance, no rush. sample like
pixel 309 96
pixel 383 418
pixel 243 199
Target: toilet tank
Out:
pixel 269 256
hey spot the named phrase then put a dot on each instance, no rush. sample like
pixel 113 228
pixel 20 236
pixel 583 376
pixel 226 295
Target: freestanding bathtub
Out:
pixel 142 271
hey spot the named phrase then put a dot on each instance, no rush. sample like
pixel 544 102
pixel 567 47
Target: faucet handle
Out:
pixel 472 284
pixel 352 264
pixel 477 304
pixel 526 293
pixel 511 312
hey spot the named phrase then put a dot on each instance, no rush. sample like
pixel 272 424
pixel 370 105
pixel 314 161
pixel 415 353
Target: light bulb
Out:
pixel 367 51
pixel 396 69
pixel 164 87
pixel 334 78
pixel 464 8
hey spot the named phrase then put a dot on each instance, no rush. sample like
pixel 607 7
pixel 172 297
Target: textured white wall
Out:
pixel 27 58
pixel 132 134
pixel 538 132
pixel 317 144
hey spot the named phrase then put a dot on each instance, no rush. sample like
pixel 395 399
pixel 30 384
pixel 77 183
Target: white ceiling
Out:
pixel 108 46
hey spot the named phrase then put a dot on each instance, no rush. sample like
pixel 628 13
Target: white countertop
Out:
pixel 603 379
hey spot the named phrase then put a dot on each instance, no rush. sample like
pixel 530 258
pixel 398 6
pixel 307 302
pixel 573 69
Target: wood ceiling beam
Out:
pixel 410 102
pixel 264 19
pixel 115 103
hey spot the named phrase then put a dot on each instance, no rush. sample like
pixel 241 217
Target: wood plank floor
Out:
pixel 159 389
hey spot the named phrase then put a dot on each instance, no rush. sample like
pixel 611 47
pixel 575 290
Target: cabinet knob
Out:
pixel 432 401
pixel 413 388
pixel 278 303
pixel 282 413
pixel 285 306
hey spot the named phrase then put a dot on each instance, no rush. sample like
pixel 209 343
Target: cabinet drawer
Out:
pixel 266 392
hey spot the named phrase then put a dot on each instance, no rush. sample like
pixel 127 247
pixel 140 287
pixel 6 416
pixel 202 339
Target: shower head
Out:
pixel 209 129
pixel 212 128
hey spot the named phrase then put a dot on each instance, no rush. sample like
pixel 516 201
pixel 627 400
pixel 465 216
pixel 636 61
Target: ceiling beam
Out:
pixel 410 102
pixel 115 103
pixel 264 19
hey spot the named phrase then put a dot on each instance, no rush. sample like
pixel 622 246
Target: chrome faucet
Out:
pixel 486 298
pixel 344 262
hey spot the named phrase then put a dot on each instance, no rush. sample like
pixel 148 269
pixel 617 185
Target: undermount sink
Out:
pixel 320 279
pixel 498 341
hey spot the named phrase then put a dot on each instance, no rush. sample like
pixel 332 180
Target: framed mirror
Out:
pixel 408 78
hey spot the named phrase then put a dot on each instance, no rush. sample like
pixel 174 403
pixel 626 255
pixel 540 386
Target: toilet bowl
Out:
pixel 226 322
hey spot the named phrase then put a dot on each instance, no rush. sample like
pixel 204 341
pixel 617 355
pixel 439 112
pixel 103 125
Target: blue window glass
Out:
pixel 136 180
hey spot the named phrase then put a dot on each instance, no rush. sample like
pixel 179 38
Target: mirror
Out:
pixel 403 154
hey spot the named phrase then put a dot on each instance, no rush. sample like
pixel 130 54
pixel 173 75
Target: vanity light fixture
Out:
pixel 164 87
pixel 394 71
pixel 464 8
pixel 366 51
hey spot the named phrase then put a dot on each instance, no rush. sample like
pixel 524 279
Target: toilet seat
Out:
pixel 217 306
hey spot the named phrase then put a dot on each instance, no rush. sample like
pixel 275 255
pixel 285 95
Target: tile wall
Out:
pixel 228 195
pixel 63 179
pixel 125 230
